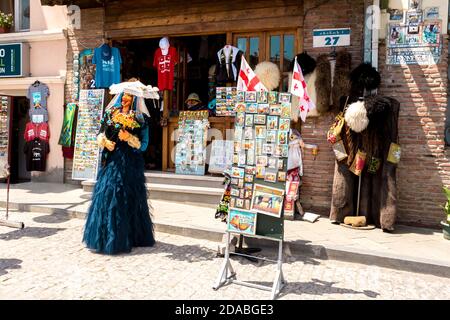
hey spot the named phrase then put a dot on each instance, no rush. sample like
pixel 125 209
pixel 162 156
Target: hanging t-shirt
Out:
pixel 37 94
pixel 107 61
pixel 36 130
pixel 36 155
pixel 165 64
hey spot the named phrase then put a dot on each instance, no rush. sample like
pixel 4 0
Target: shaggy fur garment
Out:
pixel 341 80
pixel 363 77
pixel 356 117
pixel 269 74
pixel 323 83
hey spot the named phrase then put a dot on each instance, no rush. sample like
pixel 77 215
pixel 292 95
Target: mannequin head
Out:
pixel 127 101
pixel 164 45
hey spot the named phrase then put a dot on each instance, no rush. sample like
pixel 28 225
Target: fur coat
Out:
pixel 378 190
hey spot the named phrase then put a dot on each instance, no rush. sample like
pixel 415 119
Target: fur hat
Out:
pixel 323 83
pixel 269 74
pixel 356 117
pixel 306 62
pixel 363 77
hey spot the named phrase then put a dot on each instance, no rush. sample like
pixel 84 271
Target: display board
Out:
pixel 414 37
pixel 258 174
pixel 87 153
pixel 226 98
pixel 5 111
pixel 221 158
pixel 190 151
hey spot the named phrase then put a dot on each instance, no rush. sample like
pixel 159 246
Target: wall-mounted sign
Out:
pixel 414 55
pixel 14 60
pixel 331 37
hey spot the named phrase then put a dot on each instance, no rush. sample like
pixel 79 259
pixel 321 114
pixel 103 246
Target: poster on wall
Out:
pixel 190 151
pixel 87 153
pixel 221 158
pixel 259 165
pixel 5 108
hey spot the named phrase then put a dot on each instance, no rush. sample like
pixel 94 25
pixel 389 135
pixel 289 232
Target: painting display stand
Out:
pixel 227 275
pixel 246 251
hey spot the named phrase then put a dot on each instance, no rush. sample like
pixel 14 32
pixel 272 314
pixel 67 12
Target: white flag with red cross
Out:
pixel 298 88
pixel 247 80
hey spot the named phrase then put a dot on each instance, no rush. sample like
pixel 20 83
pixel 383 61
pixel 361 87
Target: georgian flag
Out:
pixel 298 88
pixel 247 80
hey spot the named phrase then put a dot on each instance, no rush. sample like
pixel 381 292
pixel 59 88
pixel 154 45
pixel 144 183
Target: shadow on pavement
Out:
pixel 316 287
pixel 52 218
pixel 9 264
pixel 31 232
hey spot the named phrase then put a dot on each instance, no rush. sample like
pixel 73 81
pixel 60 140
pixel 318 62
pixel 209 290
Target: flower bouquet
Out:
pixel 117 121
pixel 6 22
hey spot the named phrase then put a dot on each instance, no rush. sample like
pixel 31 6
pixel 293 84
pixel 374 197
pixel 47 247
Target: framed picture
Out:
pixel 242 161
pixel 281 176
pixel 234 192
pixel 250 170
pixel 280 164
pixel 262 96
pixel 263 108
pixel 284 98
pixel 260 119
pixel 283 137
pixel 271 136
pixel 238 131
pixel 240 96
pixel 247 203
pixel 414 17
pixel 396 15
pixel 260 172
pixel 252 107
pixel 240 119
pixel 286 110
pixel 240 107
pixel 271 176
pixel 260 132
pixel 397 34
pixel 250 96
pixel 240 183
pixel 248 133
pixel 414 4
pixel 268 148
pixel 248 178
pixel 275 109
pixel 251 157
pixel 248 120
pixel 261 161
pixel 413 29
pixel 239 203
pixel 431 13
pixel 232 202
pixel 272 163
pixel 237 172
pixel 285 124
pixel 431 32
pixel 267 200
pixel 237 146
pixel 272 122
pixel 273 97
pixel 413 39
pixel 242 221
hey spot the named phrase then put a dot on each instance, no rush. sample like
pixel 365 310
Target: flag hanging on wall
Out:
pixel 298 88
pixel 247 80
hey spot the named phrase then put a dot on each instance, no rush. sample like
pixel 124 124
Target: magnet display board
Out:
pixel 87 153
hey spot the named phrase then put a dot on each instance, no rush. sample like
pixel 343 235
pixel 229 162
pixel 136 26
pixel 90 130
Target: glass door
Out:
pixel 252 45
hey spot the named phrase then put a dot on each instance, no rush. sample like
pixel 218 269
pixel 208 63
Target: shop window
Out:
pixel 251 46
pixel 22 15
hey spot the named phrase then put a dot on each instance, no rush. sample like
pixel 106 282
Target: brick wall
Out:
pixel 422 92
pixel 424 167
pixel 89 36
pixel 318 173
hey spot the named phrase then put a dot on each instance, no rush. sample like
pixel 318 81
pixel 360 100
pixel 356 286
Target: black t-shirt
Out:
pixel 36 154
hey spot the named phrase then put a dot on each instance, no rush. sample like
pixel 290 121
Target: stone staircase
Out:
pixel 198 190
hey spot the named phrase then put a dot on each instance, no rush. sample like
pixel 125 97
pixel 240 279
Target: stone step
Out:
pixel 157 177
pixel 188 194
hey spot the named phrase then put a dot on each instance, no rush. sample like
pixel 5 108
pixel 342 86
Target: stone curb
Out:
pixel 295 248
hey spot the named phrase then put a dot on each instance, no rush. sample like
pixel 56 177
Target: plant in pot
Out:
pixel 6 22
pixel 446 223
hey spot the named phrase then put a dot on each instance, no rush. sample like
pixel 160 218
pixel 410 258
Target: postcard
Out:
pixel 240 107
pixel 273 97
pixel 272 122
pixel 281 176
pixel 260 172
pixel 262 96
pixel 248 186
pixel 252 107
pixel 237 172
pixel 234 192
pixel 260 119
pixel 250 96
pixel 263 108
pixel 261 161
pixel 267 200
pixel 268 148
pixel 242 162
pixel 240 119
pixel 275 109
pixel 283 137
pixel 284 97
pixel 242 221
pixel 280 164
pixel 248 133
pixel 285 124
pixel 286 110
pixel 250 170
pixel 248 120
pixel 271 136
pixel 248 202
pixel 249 178
pixel 260 132
pixel 239 203
pixel 272 163
pixel 271 176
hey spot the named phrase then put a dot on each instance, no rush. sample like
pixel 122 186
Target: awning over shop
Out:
pixel 83 4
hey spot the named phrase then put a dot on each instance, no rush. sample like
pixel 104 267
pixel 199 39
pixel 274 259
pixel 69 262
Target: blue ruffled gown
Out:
pixel 119 217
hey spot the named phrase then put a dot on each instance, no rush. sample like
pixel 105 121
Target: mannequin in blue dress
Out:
pixel 119 216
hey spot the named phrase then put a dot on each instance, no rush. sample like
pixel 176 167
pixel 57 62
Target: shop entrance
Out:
pixel 20 118
pixel 197 57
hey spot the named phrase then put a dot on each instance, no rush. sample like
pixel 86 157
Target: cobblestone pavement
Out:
pixel 47 260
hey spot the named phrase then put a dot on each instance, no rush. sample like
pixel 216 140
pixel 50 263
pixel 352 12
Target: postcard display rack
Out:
pixel 5 111
pixel 261 140
pixel 190 156
pixel 87 153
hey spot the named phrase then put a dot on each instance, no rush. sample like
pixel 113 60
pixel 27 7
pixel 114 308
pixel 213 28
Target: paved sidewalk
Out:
pixel 410 249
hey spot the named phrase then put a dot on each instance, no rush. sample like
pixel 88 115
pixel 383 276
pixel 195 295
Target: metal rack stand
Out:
pixel 227 275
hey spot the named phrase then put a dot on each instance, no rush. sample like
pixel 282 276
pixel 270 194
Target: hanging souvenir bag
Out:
pixel 334 132
pixel 394 154
pixel 358 163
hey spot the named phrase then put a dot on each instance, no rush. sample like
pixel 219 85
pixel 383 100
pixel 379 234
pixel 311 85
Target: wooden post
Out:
pixel 165 135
